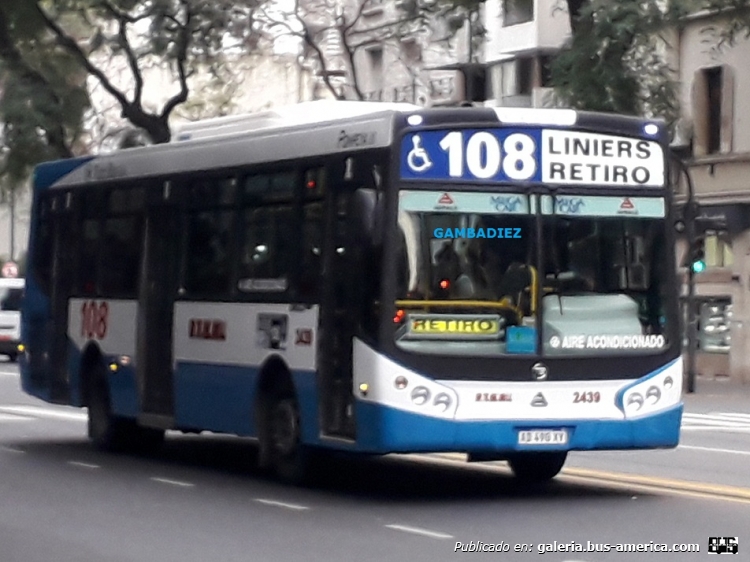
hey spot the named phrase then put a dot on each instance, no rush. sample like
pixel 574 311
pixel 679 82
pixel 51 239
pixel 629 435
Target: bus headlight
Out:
pixel 653 393
pixel 420 395
pixel 442 400
pixel 635 402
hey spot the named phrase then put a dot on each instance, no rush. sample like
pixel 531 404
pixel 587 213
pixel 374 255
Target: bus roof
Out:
pixel 306 113
pixel 304 130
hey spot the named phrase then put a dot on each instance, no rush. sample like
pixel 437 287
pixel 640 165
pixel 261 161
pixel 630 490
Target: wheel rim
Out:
pixel 285 428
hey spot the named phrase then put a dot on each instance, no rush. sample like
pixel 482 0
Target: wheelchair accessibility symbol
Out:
pixel 418 159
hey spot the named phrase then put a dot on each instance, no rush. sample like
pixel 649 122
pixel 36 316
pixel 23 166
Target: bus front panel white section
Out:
pixel 498 400
pixel 108 322
pixel 421 395
pixel 245 334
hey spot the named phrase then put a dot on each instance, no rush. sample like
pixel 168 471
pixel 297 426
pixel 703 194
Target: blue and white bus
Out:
pixel 366 277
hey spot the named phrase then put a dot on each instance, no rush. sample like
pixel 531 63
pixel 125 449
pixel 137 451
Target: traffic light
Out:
pixel 697 254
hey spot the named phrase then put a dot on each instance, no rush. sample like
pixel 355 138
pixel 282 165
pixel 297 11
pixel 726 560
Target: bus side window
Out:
pixel 267 243
pixel 88 256
pixel 312 249
pixel 209 243
pixel 122 242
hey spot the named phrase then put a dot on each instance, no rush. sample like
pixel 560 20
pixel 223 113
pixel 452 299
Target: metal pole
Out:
pixel 692 322
pixel 12 225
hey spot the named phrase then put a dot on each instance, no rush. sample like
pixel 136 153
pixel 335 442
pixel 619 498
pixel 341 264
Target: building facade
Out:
pixel 379 51
pixel 522 38
pixel 715 103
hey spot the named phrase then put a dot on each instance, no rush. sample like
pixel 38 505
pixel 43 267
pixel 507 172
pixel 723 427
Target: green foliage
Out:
pixel 50 50
pixel 43 96
pixel 616 60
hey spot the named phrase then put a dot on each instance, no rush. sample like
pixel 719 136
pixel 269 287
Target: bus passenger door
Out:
pixel 158 287
pixel 337 321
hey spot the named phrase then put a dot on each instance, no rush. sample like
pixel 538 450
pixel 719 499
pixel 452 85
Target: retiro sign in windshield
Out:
pixel 519 155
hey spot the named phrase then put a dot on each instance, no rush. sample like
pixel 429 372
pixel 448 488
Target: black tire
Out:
pixel 281 440
pixel 537 467
pixel 13 357
pixel 105 430
pixel 108 432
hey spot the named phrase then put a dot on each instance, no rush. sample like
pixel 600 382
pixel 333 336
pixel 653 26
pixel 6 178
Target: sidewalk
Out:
pixel 718 394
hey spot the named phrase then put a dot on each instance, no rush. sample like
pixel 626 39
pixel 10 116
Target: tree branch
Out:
pixel 70 45
pixel 182 54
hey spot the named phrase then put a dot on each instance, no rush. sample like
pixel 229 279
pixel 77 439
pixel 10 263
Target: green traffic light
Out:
pixel 699 266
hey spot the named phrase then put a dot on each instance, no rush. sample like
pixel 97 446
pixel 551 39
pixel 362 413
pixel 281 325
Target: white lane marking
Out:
pixel 50 413
pixel 418 531
pixel 720 429
pixel 294 506
pixel 736 415
pixel 723 420
pixel 9 373
pixel 12 450
pixel 714 450
pixel 14 417
pixel 83 464
pixel 172 482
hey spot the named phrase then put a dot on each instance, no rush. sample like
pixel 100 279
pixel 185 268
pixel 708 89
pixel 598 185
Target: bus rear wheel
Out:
pixel 106 431
pixel 109 432
pixel 537 467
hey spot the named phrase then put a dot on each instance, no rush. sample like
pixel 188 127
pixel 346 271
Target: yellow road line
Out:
pixel 617 480
pixel 658 482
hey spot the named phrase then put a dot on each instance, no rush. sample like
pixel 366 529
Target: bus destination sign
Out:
pixel 521 155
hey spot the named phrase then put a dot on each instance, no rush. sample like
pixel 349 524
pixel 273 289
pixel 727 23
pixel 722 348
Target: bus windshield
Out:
pixel 470 282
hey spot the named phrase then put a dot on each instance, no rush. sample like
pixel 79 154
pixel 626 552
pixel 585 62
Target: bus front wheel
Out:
pixel 537 467
pixel 288 455
pixel 282 449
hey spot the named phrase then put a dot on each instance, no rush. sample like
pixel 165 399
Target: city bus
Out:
pixel 365 277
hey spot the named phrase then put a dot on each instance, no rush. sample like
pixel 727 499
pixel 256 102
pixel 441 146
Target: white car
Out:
pixel 11 293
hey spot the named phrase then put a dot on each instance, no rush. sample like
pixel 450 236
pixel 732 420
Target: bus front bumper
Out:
pixel 382 429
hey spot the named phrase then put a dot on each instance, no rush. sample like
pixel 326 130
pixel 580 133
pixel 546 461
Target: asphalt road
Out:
pixel 200 499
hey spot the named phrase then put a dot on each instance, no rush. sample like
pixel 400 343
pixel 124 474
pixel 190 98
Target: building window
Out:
pixel 712 106
pixel 713 84
pixel 524 74
pixel 517 11
pixel 718 251
pixel 714 335
pixel 512 82
pixel 375 60
pixel 375 56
